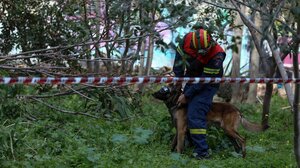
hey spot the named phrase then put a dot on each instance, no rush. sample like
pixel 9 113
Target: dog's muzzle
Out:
pixel 163 93
pixel 164 90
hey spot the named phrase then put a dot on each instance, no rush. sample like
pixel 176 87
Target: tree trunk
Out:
pixel 276 55
pixel 142 15
pixel 150 55
pixel 142 58
pixel 86 48
pixel 258 42
pixel 107 27
pixel 296 100
pixel 236 97
pixel 142 63
pixel 126 20
pixel 269 70
pixel 151 40
pixel 98 9
pixel 254 67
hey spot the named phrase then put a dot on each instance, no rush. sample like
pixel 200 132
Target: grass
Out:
pixel 59 140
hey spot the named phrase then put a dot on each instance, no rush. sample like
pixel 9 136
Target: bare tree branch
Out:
pixel 8 58
pixel 220 5
pixel 288 28
pixel 87 43
pixel 77 92
pixel 278 10
pixel 69 92
pixel 63 111
pixel 29 68
pixel 253 8
pixel 244 18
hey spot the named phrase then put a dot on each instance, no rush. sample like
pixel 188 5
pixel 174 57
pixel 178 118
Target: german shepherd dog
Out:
pixel 225 115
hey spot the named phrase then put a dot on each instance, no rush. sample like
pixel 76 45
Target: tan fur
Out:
pixel 181 127
pixel 227 116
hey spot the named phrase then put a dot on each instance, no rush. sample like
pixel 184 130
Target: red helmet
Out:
pixel 201 40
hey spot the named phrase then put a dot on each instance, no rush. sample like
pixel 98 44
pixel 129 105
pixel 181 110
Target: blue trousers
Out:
pixel 198 108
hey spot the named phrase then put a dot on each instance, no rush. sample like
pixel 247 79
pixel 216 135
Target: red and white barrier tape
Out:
pixel 137 80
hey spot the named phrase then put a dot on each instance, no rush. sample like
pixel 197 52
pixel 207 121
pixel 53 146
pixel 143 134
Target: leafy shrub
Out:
pixel 10 107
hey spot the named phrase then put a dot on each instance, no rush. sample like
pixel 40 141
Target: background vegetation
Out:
pixel 123 126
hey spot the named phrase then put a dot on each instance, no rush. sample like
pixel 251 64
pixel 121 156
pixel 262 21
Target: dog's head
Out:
pixel 163 93
pixel 169 94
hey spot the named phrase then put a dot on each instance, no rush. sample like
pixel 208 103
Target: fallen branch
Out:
pixel 77 92
pixel 64 111
pixel 9 58
pixel 259 100
pixel 51 96
pixel 288 107
pixel 31 68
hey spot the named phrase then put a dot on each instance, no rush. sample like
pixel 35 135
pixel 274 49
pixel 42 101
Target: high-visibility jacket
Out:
pixel 187 47
pixel 197 65
pixel 188 62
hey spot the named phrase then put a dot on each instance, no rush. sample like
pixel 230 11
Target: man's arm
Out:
pixel 214 68
pixel 179 66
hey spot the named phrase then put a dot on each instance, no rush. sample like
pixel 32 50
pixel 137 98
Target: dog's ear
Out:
pixel 170 85
pixel 174 85
pixel 178 87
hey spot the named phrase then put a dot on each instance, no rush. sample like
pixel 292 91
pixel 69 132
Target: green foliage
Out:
pixel 142 135
pixel 31 25
pixel 296 10
pixel 61 140
pixel 10 107
pixel 113 103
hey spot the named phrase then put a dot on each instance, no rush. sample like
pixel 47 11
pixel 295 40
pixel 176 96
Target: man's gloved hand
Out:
pixel 181 100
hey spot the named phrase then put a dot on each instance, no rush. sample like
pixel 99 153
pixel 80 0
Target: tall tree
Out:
pixel 296 48
pixel 236 62
pixel 254 66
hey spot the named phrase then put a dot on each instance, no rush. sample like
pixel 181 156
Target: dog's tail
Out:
pixel 253 127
